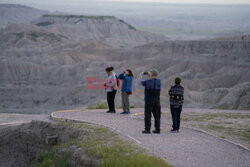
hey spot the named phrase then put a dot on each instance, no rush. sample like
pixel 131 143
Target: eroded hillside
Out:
pixel 44 65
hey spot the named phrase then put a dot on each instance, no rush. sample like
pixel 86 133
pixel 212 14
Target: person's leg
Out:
pixel 147 114
pixel 179 117
pixel 112 101
pixel 123 102
pixel 127 102
pixel 173 113
pixel 109 100
pixel 157 115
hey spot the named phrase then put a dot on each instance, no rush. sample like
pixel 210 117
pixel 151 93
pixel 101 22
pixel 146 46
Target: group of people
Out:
pixel 152 86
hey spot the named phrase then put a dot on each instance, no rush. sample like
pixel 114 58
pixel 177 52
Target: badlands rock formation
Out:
pixel 44 65
pixel 10 13
pixel 107 29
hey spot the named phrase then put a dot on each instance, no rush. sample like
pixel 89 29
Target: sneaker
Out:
pixel 111 111
pixel 157 131
pixel 146 132
pixel 174 131
pixel 125 112
pixel 108 111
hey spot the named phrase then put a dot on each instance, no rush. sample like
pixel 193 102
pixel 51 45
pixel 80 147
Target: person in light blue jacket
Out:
pixel 126 89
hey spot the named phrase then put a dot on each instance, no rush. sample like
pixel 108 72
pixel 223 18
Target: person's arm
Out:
pixel 170 91
pixel 111 82
pixel 121 76
pixel 183 94
pixel 142 82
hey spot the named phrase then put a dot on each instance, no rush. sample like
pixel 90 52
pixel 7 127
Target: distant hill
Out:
pixel 11 13
pixel 108 29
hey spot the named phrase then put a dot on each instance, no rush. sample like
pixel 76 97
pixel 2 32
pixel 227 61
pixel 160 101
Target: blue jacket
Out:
pixel 127 82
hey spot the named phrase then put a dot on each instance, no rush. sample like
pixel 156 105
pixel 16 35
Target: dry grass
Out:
pixel 232 126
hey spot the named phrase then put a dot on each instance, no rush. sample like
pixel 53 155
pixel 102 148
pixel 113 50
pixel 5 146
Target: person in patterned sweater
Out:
pixel 176 99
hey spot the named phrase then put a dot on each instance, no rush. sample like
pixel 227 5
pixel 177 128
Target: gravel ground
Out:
pixel 188 148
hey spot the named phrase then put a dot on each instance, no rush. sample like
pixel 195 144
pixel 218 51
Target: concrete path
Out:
pixel 188 148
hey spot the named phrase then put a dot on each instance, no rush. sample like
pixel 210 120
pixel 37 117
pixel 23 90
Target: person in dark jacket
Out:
pixel 176 99
pixel 111 89
pixel 152 101
pixel 126 90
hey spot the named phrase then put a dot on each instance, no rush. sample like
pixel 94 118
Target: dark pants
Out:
pixel 176 116
pixel 111 100
pixel 155 109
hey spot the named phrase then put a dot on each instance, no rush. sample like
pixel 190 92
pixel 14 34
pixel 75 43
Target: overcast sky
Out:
pixel 193 1
pixel 166 1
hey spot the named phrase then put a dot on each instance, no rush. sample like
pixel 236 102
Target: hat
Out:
pixel 154 72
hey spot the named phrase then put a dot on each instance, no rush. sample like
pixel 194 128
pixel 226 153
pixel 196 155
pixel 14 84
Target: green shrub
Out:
pixel 132 106
pixel 98 106
pixel 91 107
pixel 102 106
pixel 52 159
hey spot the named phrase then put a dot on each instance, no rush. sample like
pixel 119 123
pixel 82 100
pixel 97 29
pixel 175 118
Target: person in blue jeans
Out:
pixel 126 89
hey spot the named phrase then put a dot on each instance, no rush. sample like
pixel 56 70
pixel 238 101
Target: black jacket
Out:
pixel 176 94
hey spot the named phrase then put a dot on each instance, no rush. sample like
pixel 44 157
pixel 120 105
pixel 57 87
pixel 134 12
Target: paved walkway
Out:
pixel 186 149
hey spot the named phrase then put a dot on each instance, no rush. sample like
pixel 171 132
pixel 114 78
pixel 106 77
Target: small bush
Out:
pixel 91 107
pixel 52 159
pixel 102 106
pixel 132 106
pixel 98 106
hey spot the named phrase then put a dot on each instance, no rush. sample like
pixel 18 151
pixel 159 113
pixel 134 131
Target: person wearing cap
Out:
pixel 176 98
pixel 152 100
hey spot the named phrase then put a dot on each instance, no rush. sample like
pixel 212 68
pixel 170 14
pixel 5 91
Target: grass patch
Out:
pixel 52 159
pixel 215 127
pixel 210 116
pixel 103 145
pixel 132 106
pixel 242 134
pixel 98 106
pixel 223 137
pixel 136 160
pixel 233 126
pixel 229 123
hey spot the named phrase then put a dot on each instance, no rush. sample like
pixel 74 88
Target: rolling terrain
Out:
pixel 44 64
pixel 12 13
